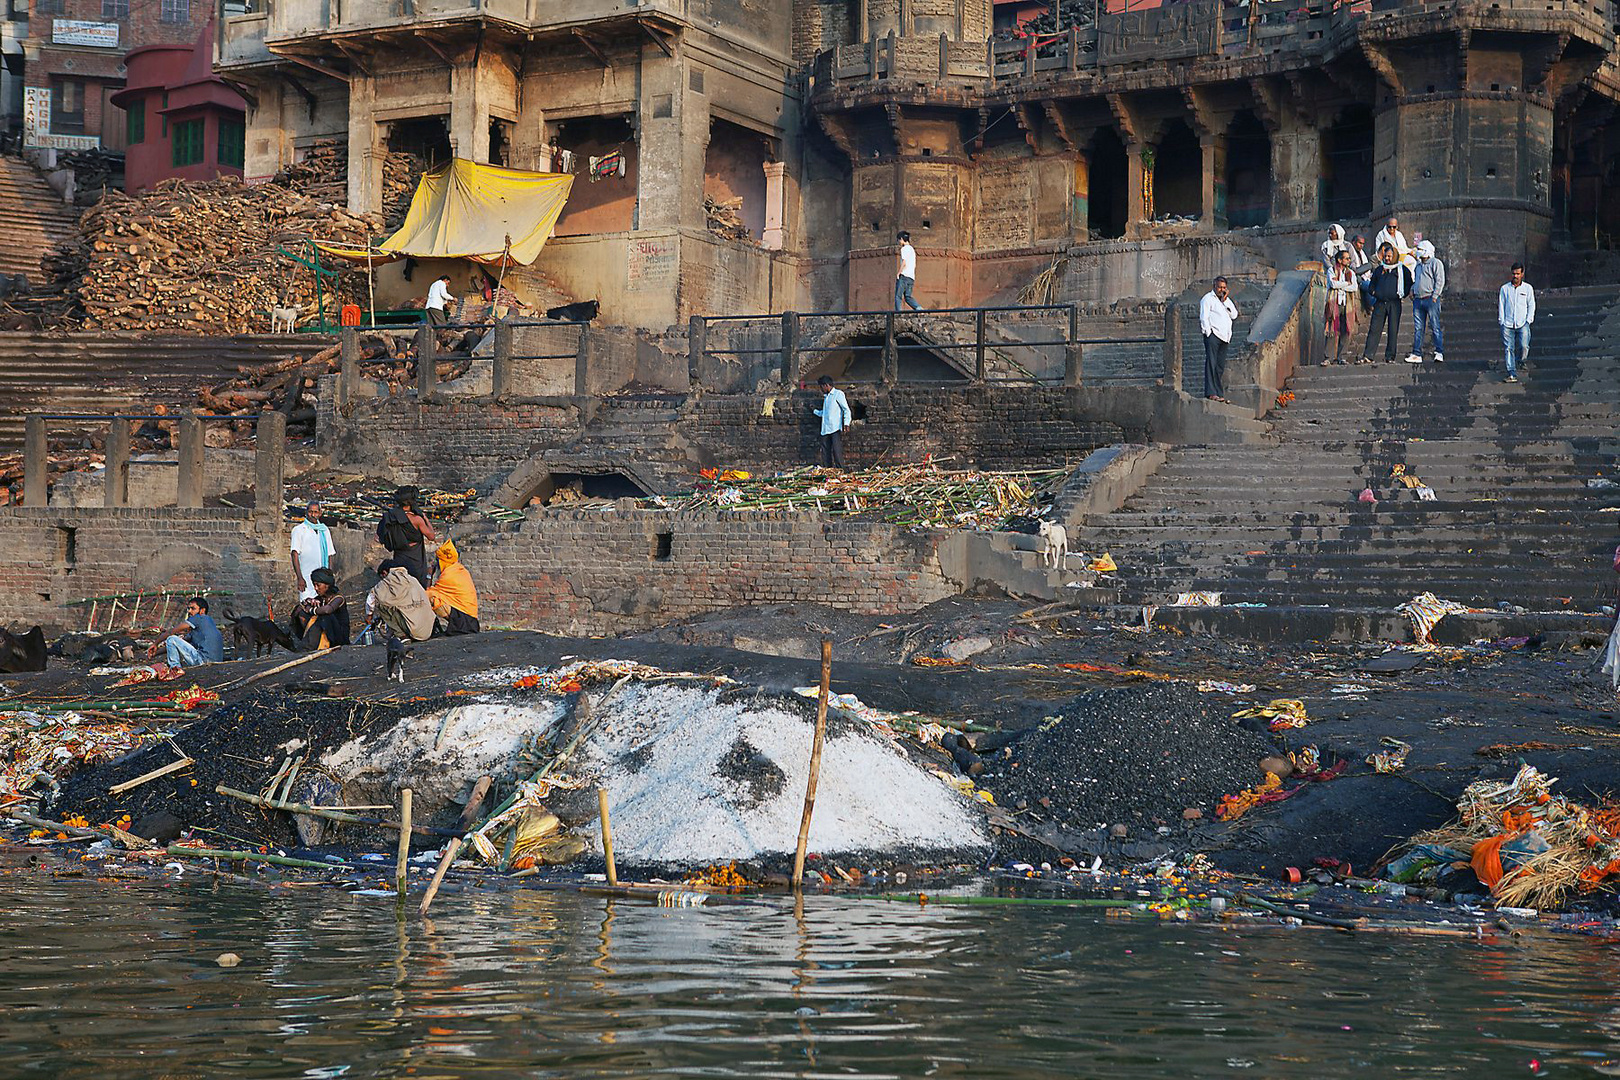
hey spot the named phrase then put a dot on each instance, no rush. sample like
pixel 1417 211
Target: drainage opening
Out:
pixel 663 546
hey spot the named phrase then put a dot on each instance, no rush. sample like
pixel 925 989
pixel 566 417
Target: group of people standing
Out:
pixel 1378 287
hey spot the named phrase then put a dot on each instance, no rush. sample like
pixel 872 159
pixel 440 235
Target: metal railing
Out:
pixel 981 345
pixel 425 352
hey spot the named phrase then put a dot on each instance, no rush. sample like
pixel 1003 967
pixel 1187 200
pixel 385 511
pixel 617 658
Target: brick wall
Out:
pixel 60 555
pixel 603 573
pixel 476 443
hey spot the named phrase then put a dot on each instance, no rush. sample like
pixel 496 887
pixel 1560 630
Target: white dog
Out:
pixel 283 317
pixel 1057 543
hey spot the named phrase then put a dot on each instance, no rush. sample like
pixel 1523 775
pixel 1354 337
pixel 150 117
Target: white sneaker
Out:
pixel 1439 357
pixel 1414 358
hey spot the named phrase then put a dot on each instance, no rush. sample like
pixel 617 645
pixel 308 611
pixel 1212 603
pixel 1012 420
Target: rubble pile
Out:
pixel 1133 755
pixel 200 257
pixel 923 494
pixel 725 218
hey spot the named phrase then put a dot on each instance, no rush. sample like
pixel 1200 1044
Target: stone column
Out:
pixel 365 151
pixel 1080 201
pixel 774 236
pixel 500 378
pixel 36 462
pixel 427 362
pixel 1212 210
pixel 349 364
pixel 189 448
pixel 582 362
pixel 117 476
pixel 1138 186
pixel 469 111
pixel 1296 170
pixel 269 470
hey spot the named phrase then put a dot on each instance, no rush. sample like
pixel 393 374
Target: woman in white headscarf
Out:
pixel 1331 247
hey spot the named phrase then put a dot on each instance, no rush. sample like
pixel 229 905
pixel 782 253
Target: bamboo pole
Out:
pixel 607 836
pixel 401 862
pixel 815 763
pixel 173 766
pixel 252 856
pixel 438 875
pixel 324 812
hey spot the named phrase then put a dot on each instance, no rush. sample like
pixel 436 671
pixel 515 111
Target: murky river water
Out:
pixel 115 981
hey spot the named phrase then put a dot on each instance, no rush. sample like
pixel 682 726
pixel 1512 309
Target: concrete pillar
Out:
pixel 1073 353
pixel 469 111
pixel 270 470
pixel 1138 189
pixel 582 362
pixel 697 343
pixel 365 148
pixel 774 236
pixel 790 349
pixel 117 475
pixel 349 364
pixel 1296 170
pixel 427 362
pixel 189 487
pixel 500 381
pixel 672 140
pixel 1212 207
pixel 36 462
pixel 1080 202
pixel 1172 344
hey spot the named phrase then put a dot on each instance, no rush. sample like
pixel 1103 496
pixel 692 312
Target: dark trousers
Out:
pixel 1214 366
pixel 1386 320
pixel 832 450
pixel 458 623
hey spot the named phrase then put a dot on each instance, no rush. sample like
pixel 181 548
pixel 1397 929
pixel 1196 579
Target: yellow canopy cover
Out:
pixel 464 210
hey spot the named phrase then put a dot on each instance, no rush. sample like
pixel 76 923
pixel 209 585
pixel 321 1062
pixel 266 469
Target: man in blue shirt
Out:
pixel 835 420
pixel 206 644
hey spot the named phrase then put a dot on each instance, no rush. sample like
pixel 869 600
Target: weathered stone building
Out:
pixel 1148 149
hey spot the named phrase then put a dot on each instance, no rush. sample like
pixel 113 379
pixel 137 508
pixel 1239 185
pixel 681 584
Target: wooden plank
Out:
pixel 127 785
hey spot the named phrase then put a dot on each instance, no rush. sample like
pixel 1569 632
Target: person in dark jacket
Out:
pixel 403 531
pixel 1390 284
pixel 323 619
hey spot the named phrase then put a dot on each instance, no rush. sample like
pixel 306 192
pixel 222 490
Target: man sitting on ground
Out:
pixel 322 621
pixel 452 596
pixel 400 603
pixel 195 641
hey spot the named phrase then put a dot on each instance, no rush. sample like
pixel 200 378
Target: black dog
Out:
pixel 259 633
pixel 398 653
pixel 22 652
pixel 584 311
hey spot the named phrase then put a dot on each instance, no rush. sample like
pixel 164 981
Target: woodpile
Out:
pixel 725 218
pixel 201 257
pixel 95 172
pixel 323 173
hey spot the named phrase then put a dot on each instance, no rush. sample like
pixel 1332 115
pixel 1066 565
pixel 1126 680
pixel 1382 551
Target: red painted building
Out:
pixel 180 119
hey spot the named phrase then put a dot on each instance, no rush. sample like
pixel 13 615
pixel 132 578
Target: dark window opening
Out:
pixel 500 142
pixel 1108 179
pixel 427 138
pixel 1347 165
pixel 1178 173
pixel 1248 172
pixel 67 106
pixel 67 547
pixel 663 546
pixel 559 489
pixel 187 143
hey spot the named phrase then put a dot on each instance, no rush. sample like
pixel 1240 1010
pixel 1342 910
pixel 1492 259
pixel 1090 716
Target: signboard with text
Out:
pixel 37 124
pixel 96 35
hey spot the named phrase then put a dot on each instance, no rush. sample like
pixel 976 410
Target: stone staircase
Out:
pixel 33 219
pixel 1514 520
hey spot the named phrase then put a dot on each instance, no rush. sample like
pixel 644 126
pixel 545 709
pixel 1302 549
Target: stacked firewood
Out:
pixel 725 218
pixel 323 173
pixel 202 257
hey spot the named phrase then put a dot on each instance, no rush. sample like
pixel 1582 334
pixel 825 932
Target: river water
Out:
pixel 121 980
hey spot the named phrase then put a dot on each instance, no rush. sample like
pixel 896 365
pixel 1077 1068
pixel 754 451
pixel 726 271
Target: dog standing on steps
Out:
pixel 398 653
pixel 1056 539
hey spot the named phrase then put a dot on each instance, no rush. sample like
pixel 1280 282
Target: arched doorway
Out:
pixel 1347 165
pixel 1107 180
pixel 1178 173
pixel 1248 172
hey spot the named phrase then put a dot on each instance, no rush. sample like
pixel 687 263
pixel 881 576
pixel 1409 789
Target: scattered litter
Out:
pixel 1424 611
pixel 1284 714
pixel 1197 599
pixel 1221 686
pixel 1102 564
pixel 1392 758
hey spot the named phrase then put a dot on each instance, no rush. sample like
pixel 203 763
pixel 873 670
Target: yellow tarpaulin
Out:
pixel 464 210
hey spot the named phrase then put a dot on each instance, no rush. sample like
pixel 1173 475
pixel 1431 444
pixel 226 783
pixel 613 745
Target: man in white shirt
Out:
pixel 437 298
pixel 905 274
pixel 311 544
pixel 1215 315
pixel 1391 234
pixel 1515 311
pixel 835 420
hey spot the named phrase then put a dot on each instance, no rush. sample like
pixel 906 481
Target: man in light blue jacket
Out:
pixel 1515 311
pixel 835 420
pixel 1428 285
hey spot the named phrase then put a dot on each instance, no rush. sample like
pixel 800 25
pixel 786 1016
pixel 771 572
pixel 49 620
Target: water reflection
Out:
pixel 120 981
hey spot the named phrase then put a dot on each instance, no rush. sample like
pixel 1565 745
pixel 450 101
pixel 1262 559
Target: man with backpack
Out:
pixel 403 531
